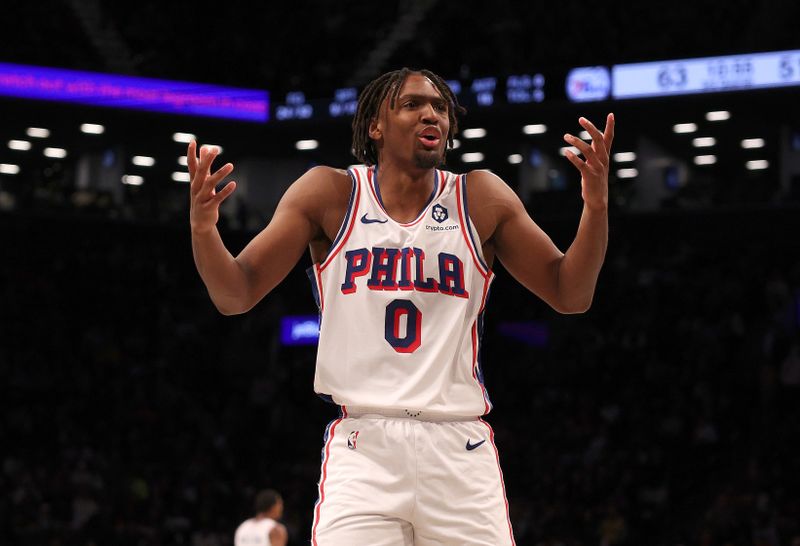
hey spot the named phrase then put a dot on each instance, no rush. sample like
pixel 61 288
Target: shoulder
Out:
pixel 278 531
pixel 490 196
pixel 318 188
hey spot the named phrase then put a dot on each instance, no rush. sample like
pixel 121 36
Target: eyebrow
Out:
pixel 416 96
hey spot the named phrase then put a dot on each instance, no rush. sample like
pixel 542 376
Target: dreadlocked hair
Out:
pixel 373 95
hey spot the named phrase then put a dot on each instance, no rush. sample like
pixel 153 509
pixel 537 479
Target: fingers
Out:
pixel 225 192
pixel 598 142
pixel 202 181
pixel 608 136
pixel 575 160
pixel 191 157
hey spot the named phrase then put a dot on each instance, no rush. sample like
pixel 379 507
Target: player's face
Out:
pixel 415 130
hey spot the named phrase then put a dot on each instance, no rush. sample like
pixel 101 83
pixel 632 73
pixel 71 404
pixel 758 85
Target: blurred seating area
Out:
pixel 133 413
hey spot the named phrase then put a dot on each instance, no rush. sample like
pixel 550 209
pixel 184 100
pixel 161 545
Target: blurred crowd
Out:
pixel 134 414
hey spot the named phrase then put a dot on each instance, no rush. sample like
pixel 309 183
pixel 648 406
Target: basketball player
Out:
pixel 402 258
pixel 263 529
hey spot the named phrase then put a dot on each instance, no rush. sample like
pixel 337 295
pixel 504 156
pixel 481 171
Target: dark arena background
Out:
pixel 133 413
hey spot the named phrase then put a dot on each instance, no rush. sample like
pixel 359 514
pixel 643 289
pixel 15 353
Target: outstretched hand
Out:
pixel 594 167
pixel 205 200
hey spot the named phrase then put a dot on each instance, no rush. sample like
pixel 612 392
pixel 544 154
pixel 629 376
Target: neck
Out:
pixel 404 192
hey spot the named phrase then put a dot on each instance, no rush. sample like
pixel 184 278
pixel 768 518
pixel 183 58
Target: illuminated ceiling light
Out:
pixel 753 143
pixel 472 157
pixel 704 142
pixel 684 127
pixel 627 173
pixel 718 115
pixel 585 135
pixel 92 128
pixel 143 161
pixel 22 145
pixel 310 144
pixel 180 176
pixel 56 153
pixel 8 168
pixel 185 138
pixel 37 132
pixel 535 129
pixel 515 158
pixel 757 164
pixel 705 159
pixel 132 180
pixel 456 144
pixel 217 146
pixel 182 160
pixel 624 157
pixel 475 132
pixel 563 150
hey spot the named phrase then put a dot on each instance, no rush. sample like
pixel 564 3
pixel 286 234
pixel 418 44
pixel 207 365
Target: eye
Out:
pixel 440 106
pixel 410 104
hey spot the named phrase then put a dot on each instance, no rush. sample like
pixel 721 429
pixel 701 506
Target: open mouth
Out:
pixel 429 139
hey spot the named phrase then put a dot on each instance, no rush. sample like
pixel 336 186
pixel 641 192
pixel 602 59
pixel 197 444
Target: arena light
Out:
pixel 37 132
pixel 705 159
pixel 564 149
pixel 456 144
pixel 92 129
pixel 217 146
pixel 627 173
pixel 183 161
pixel 718 115
pixel 753 143
pixel 184 138
pixel 181 176
pixel 55 153
pixel 309 144
pixel 132 180
pixel 757 165
pixel 684 127
pixel 22 145
pixel 472 157
pixel 143 161
pixel 535 129
pixel 704 142
pixel 8 168
pixel 624 157
pixel 475 132
pixel 585 135
pixel 515 159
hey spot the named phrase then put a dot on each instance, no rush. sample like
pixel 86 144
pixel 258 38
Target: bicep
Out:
pixel 272 254
pixel 526 251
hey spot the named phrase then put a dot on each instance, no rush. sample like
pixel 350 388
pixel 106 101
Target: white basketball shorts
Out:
pixel 400 481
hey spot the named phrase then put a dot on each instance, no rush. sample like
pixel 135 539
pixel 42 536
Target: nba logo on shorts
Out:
pixel 439 213
pixel 352 439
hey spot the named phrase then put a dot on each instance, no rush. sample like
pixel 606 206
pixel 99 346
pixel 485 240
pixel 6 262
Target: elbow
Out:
pixel 576 307
pixel 230 306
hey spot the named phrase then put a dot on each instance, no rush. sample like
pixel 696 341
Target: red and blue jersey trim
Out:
pixel 463 215
pixel 438 187
pixel 349 220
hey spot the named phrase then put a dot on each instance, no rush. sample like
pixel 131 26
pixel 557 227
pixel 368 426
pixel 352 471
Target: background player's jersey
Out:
pixel 254 532
pixel 402 304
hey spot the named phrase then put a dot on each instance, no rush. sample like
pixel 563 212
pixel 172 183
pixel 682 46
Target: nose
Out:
pixel 428 114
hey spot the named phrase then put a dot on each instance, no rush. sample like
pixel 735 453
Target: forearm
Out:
pixel 225 280
pixel 579 268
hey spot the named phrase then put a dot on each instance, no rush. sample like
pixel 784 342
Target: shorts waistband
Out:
pixel 419 415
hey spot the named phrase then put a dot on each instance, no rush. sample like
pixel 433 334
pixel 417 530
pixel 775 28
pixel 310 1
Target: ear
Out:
pixel 375 129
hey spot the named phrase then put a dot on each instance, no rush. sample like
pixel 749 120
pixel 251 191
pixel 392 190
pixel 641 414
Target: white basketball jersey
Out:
pixel 401 305
pixel 254 532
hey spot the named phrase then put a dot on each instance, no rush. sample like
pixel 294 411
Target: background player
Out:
pixel 263 529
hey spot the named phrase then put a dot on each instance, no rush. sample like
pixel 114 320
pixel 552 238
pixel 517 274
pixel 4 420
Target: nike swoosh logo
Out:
pixel 471 446
pixel 365 220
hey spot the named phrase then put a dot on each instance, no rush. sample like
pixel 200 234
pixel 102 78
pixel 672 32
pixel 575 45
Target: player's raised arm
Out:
pixel 565 281
pixel 237 284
